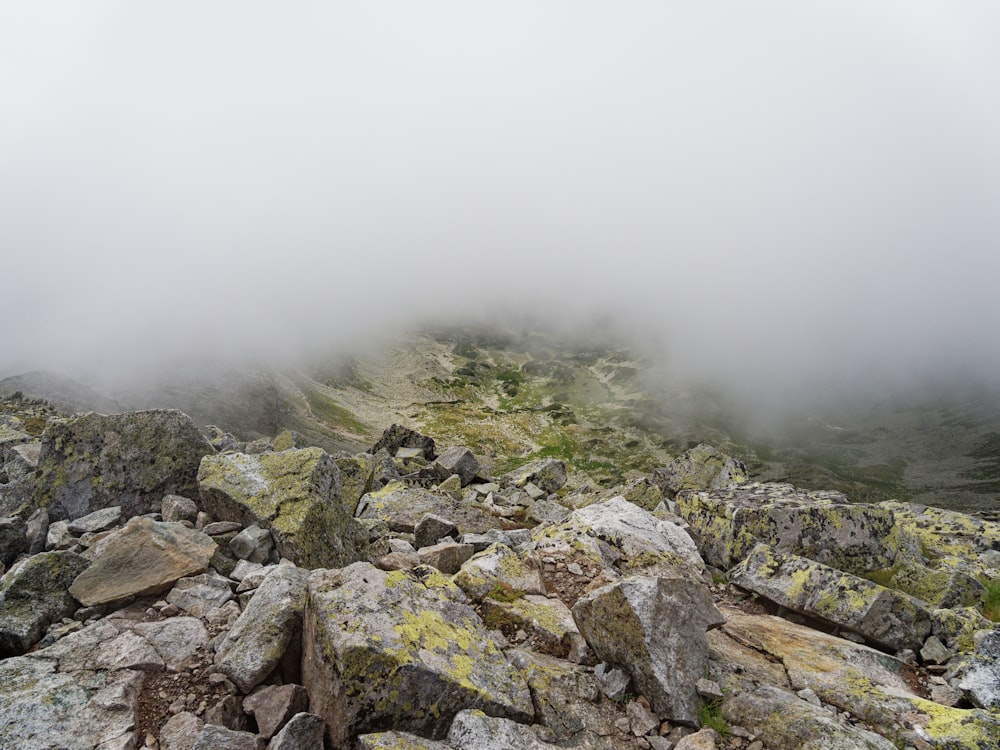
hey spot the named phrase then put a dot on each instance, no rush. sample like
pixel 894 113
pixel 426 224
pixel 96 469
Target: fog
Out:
pixel 777 196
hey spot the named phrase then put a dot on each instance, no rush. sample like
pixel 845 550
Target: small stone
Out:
pixel 253 543
pixel 613 681
pixel 935 652
pixel 177 508
pixel 708 688
pixel 99 520
pixel 641 719
pixel 217 528
pixel 431 528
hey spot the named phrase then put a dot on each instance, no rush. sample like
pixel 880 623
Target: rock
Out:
pixel 481 541
pixel 548 474
pixel 821 525
pixel 608 540
pixel 399 741
pixel 402 507
pixel 430 529
pixel 935 652
pixel 13 539
pixel 33 595
pixel 253 543
pixel 956 628
pixel 654 628
pixel 180 642
pixel 295 494
pixel 37 531
pixel 304 731
pixel 100 520
pixel 700 468
pixel 268 627
pixel 889 618
pixel 44 707
pixel 614 682
pixel 980 679
pixel 58 536
pixel 641 719
pixel 357 477
pixel 708 688
pixel 273 705
pixel 567 699
pixel 198 595
pixel 180 731
pixel 214 737
pixel 287 439
pixel 177 508
pixel 942 533
pixel 547 624
pixel 474 730
pixel 446 556
pixel 705 739
pixel 381 647
pixel 786 722
pixel 452 484
pixel 94 461
pixel 459 461
pixel 19 466
pixel 143 557
pixel 501 573
pixel 228 713
pixel 397 436
pixel 222 528
pixel 942 587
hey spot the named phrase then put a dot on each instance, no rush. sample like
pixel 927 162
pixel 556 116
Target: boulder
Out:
pixel 568 702
pixel 499 572
pixel 13 539
pixel 273 705
pixel 889 618
pixel 33 595
pixel 304 731
pixel 430 529
pixel 397 436
pixel 821 525
pixel 94 461
pixel 446 556
pixel 198 595
pixel 654 628
pixel 458 461
pixel 269 626
pixel 548 474
pixel 295 494
pixel 402 507
pixel 546 625
pixel 600 543
pixel 37 531
pixel 253 543
pixel 100 520
pixel 382 648
pixel 399 741
pixel 143 557
pixel 700 468
pixel 180 731
pixel 474 730
pixel 786 722
pixel 177 508
pixel 980 677
pixel 44 707
pixel 214 737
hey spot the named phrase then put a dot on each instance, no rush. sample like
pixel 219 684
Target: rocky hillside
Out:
pixel 171 586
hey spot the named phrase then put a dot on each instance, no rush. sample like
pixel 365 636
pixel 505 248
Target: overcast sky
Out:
pixel 774 193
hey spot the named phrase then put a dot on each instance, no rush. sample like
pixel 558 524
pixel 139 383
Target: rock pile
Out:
pixel 272 595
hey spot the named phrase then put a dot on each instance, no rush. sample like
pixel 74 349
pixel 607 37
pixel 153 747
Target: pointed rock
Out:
pixel 654 628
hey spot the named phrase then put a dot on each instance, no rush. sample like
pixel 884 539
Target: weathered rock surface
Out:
pixel 460 461
pixel 270 624
pixel 295 494
pixel 548 474
pixel 273 705
pixel 132 460
pixel 654 628
pixel 886 617
pixel 33 595
pixel 382 647
pixel 143 557
pixel 13 539
pixel 304 731
pixel 499 571
pixel 397 436
pixel 402 507
pixel 700 468
pixel 474 730
pixel 821 525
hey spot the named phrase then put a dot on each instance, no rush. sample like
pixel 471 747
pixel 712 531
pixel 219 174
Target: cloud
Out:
pixel 778 197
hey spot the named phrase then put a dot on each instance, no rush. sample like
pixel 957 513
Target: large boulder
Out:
pixel 547 474
pixel 270 625
pixel 821 525
pixel 94 461
pixel 402 507
pixel 143 557
pixel 700 468
pixel 886 617
pixel 295 494
pixel 397 436
pixel 603 542
pixel 655 628
pixel 384 649
pixel 33 595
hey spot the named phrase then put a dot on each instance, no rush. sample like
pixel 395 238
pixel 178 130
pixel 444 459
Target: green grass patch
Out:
pixel 710 715
pixel 991 607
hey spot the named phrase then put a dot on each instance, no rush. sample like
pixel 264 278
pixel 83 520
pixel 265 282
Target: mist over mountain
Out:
pixel 793 205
